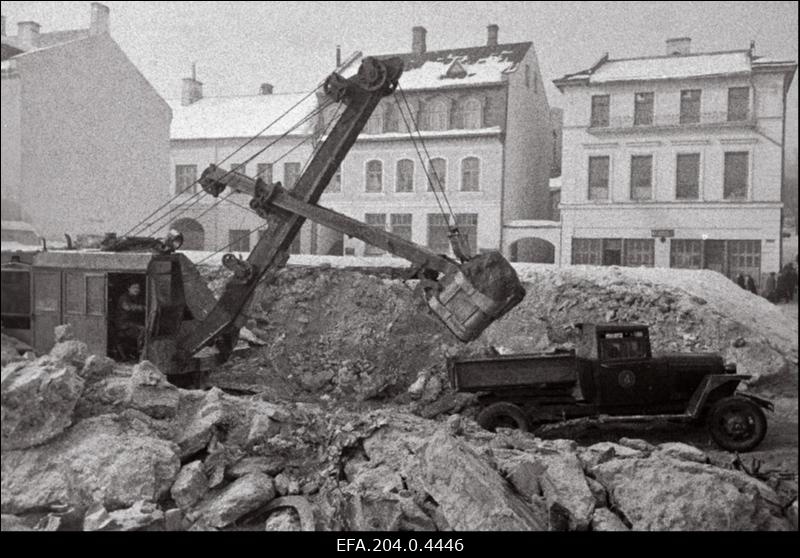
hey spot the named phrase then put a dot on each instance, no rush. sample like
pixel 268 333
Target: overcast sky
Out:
pixel 238 45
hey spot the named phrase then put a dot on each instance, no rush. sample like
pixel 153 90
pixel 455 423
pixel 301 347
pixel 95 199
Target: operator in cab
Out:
pixel 130 321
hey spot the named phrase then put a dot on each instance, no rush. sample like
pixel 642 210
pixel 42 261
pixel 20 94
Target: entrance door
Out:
pixel 715 255
pixel 46 308
pixel 612 251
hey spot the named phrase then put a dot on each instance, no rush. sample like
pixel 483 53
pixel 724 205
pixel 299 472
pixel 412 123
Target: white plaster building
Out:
pixel 675 161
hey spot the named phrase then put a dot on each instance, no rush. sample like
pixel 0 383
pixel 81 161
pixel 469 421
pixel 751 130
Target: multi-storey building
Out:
pixel 675 161
pixel 85 137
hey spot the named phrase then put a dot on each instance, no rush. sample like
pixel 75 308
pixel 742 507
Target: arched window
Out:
pixel 471 113
pixel 470 174
pixel 437 115
pixel 193 233
pixel 405 176
pixel 437 171
pixel 374 178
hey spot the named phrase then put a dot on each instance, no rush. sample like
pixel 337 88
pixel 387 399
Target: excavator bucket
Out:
pixel 478 292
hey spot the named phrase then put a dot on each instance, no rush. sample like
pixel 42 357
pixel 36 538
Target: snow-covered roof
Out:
pixel 670 67
pixel 242 116
pixel 470 66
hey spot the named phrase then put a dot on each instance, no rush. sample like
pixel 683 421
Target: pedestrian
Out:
pixel 769 287
pixel 787 281
pixel 129 321
pixel 740 280
pixel 750 284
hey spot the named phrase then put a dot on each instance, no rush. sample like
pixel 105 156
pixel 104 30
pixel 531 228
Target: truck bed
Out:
pixel 512 371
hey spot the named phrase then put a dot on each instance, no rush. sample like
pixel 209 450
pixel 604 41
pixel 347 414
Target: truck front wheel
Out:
pixel 737 424
pixel 502 415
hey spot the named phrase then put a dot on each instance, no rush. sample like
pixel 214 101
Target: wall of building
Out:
pixel 10 113
pixel 95 142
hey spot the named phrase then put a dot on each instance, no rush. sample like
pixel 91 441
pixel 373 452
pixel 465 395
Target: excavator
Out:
pixel 187 329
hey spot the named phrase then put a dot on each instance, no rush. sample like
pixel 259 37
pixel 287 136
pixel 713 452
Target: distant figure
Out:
pixel 750 284
pixel 787 283
pixel 740 280
pixel 129 320
pixel 770 285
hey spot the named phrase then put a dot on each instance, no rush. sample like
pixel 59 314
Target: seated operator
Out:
pixel 130 318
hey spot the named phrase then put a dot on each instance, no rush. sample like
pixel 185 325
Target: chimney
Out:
pixel 28 34
pixel 679 46
pixel 99 22
pixel 338 55
pixel 491 36
pixel 418 40
pixel 266 89
pixel 3 30
pixel 192 90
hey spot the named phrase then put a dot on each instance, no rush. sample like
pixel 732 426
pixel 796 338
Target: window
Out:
pixel 598 177
pixel 74 284
pixel 95 295
pixel 642 177
pixel 587 251
pixel 639 252
pixel 16 299
pixel 185 179
pixel 335 185
pixel 264 172
pixel 470 174
pixel 401 225
pixel 374 178
pixel 239 167
pixel 471 116
pixel 738 103
pixel 735 181
pixel 467 224
pixel 291 172
pixel 600 106
pixel 375 122
pixel 744 256
pixel 687 176
pixel 438 240
pixel 690 106
pixel 405 176
pixel 643 109
pixel 436 115
pixel 239 240
pixel 686 253
pixel 612 251
pixel 437 171
pixel 391 118
pixel 377 221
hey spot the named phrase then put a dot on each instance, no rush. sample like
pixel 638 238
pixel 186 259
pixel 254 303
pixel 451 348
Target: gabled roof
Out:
pixel 483 65
pixel 47 40
pixel 241 116
pixel 734 62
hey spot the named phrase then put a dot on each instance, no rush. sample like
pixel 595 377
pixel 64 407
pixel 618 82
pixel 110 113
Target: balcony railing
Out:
pixel 671 121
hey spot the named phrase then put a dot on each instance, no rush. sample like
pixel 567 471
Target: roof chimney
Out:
pixel 679 46
pixel 28 34
pixel 192 90
pixel 99 22
pixel 266 89
pixel 418 40
pixel 3 30
pixel 491 36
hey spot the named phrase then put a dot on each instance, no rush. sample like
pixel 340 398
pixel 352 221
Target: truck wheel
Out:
pixel 502 415
pixel 737 424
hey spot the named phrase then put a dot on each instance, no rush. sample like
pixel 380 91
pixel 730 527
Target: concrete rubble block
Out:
pixel 791 514
pixel 599 493
pixel 261 428
pixel 686 452
pixel 565 486
pixel 98 459
pixel 8 350
pixel 661 493
pixel 190 485
pixel 97 368
pixel 38 400
pixel 64 332
pixel 417 387
pixel 384 511
pixel 150 392
pixel 244 495
pixel 141 516
pixel 271 465
pixel 605 451
pixel 522 470
pixel 202 426
pixel 174 520
pixel 283 520
pixel 455 425
pixel 470 494
pixel 605 520
pixel 9 522
pixel 286 485
pixel 72 352
pixel 637 444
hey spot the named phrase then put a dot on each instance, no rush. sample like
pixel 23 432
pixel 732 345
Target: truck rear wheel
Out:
pixel 502 415
pixel 737 424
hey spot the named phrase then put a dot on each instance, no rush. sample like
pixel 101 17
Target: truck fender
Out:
pixel 709 384
pixel 763 403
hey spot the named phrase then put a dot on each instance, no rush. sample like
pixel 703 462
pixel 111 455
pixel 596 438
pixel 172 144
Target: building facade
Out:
pixel 85 137
pixel 675 161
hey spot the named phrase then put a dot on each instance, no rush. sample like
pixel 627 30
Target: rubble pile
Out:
pixel 136 453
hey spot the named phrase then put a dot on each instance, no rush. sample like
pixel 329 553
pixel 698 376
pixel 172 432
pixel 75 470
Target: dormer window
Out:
pixel 456 70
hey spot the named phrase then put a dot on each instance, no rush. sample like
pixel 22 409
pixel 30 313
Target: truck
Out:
pixel 186 330
pixel 612 376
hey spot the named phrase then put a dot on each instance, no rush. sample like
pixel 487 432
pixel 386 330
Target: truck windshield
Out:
pixel 623 345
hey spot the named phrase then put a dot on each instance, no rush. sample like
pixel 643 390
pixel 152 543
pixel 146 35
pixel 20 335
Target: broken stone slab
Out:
pixel 791 514
pixel 564 485
pixel 384 511
pixel 103 459
pixel 686 452
pixel 202 426
pixel 302 518
pixel 142 515
pixel 244 495
pixel 38 400
pixel 97 367
pixel 190 485
pixel 661 493
pixel 269 465
pixel 63 332
pixel 71 352
pixel 150 392
pixel 599 493
pixel 637 444
pixel 521 470
pixel 286 485
pixel 605 451
pixel 261 428
pixel 283 520
pixel 9 522
pixel 606 520
pixel 174 520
